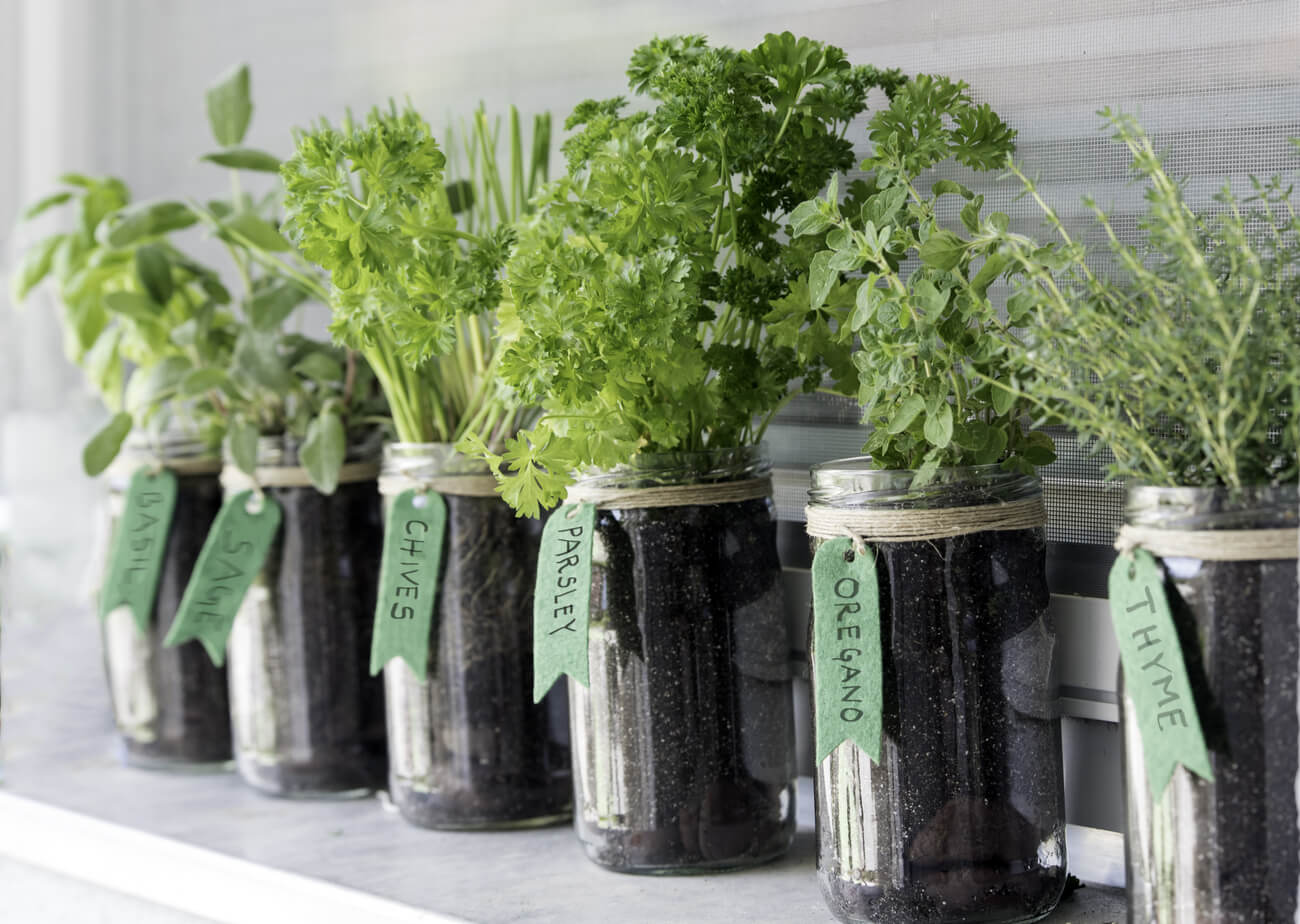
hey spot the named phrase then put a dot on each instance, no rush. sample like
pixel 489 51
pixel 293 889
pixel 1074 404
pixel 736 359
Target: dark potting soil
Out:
pixel 193 709
pixel 489 756
pixel 312 649
pixel 1239 842
pixel 686 738
pixel 969 783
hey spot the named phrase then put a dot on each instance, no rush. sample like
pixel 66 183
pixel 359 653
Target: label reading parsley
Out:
pixel 232 555
pixel 1155 677
pixel 408 580
pixel 847 684
pixel 562 598
pixel 135 560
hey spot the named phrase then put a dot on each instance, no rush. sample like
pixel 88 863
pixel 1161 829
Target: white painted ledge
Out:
pixel 208 846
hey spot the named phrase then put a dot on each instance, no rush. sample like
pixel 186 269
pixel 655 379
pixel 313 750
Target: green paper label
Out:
pixel 135 560
pixel 1155 676
pixel 233 553
pixel 408 580
pixel 846 657
pixel 562 599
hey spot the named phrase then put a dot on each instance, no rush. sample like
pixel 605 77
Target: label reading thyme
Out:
pixel 1155 677
pixel 562 598
pixel 847 686
pixel 408 580
pixel 135 559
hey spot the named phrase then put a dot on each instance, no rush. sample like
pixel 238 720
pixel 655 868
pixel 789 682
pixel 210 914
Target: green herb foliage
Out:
pixel 409 287
pixel 1184 361
pixel 939 367
pixel 641 292
pixel 138 313
pixel 155 329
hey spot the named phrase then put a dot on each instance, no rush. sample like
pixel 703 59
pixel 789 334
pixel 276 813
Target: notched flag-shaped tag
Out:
pixel 233 553
pixel 408 580
pixel 1155 676
pixel 847 685
pixel 562 598
pixel 135 560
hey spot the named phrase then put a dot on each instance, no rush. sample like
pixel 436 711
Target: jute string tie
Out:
pixel 235 480
pixel 686 495
pixel 1210 544
pixel 864 525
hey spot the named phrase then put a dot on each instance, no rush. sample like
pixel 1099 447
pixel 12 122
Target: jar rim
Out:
pixel 853 481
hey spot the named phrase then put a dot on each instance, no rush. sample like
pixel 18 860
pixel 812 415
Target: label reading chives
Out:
pixel 1155 677
pixel 232 555
pixel 135 560
pixel 562 598
pixel 408 580
pixel 847 685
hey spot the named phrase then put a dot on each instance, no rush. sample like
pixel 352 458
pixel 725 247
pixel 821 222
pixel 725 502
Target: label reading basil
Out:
pixel 562 599
pixel 1155 677
pixel 847 684
pixel 232 555
pixel 135 560
pixel 408 580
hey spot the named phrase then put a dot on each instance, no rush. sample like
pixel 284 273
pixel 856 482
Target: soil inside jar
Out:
pixel 189 691
pixel 970 736
pixel 689 719
pixel 1241 644
pixel 327 712
pixel 487 755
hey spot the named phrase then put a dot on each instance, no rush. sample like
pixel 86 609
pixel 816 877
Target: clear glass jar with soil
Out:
pixel 170 704
pixel 467 747
pixel 684 741
pixel 1226 850
pixel 963 818
pixel 308 718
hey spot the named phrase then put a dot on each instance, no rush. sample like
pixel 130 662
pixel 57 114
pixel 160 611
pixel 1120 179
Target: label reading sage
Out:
pixel 135 560
pixel 232 555
pixel 408 580
pixel 847 685
pixel 1155 677
pixel 562 598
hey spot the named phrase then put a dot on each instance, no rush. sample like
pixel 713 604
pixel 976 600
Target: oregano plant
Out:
pixel 941 374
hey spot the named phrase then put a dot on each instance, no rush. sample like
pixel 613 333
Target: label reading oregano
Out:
pixel 1155 677
pixel 562 598
pixel 232 555
pixel 408 580
pixel 847 684
pixel 135 560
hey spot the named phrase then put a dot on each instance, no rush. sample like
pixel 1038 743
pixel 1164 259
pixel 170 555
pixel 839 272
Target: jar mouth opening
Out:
pixel 282 450
pixel 1262 506
pixel 689 466
pixel 855 481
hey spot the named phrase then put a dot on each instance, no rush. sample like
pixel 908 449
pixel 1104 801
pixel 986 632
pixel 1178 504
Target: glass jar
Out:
pixel 1226 850
pixel 169 703
pixel 307 716
pixel 684 741
pixel 963 818
pixel 467 747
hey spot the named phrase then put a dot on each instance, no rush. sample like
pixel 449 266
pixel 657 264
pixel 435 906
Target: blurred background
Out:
pixel 116 86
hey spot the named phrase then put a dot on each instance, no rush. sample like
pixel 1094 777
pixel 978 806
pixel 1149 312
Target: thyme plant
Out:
pixel 1184 359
